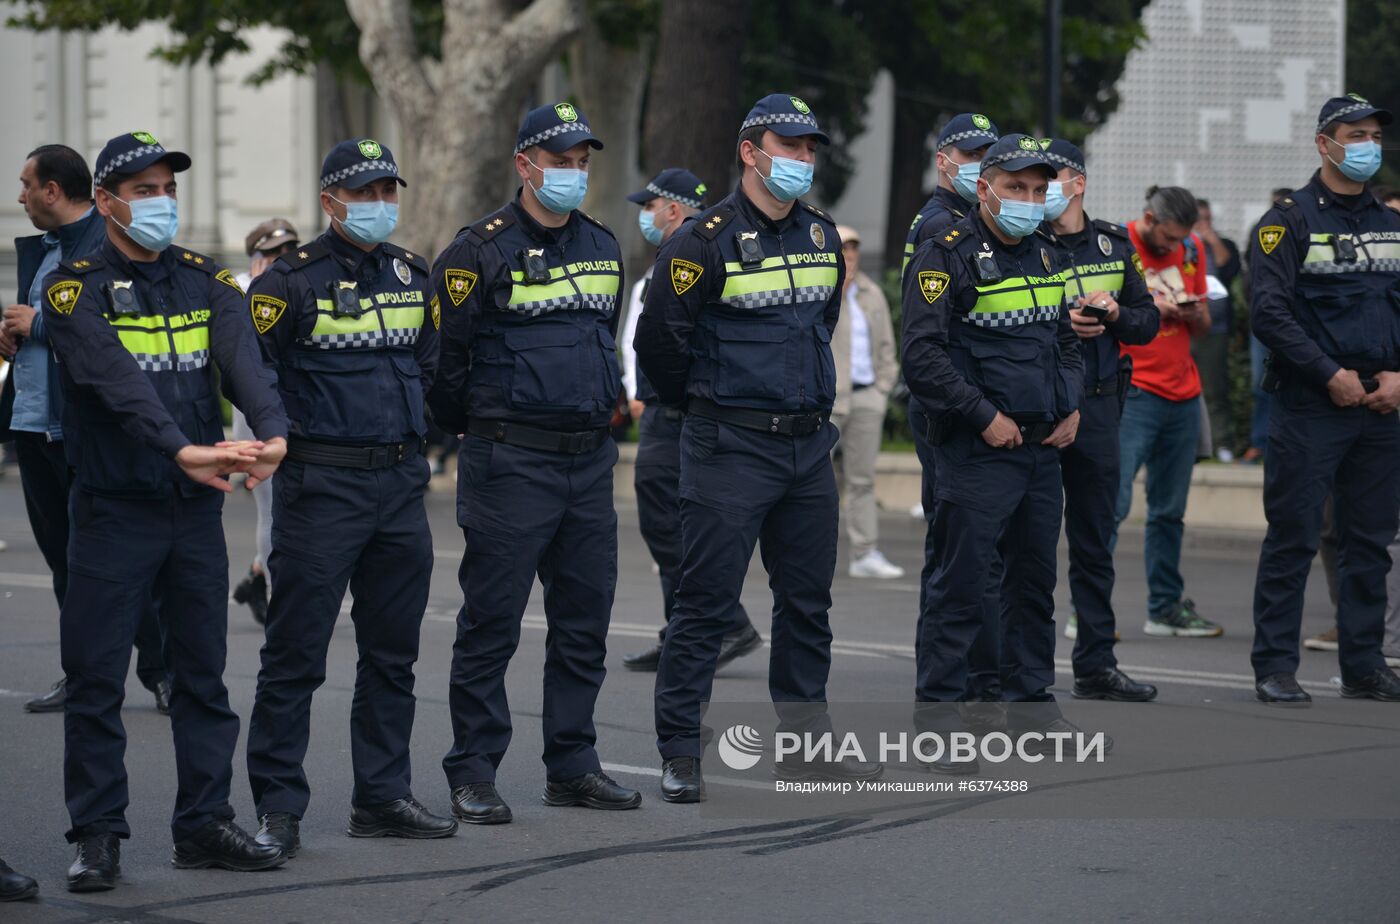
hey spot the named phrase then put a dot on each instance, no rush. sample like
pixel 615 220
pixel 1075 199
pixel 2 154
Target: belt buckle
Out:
pixel 379 457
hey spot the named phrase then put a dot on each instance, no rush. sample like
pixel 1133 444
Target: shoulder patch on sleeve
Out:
pixel 197 260
pixel 1270 236
pixel 266 311
pixel 303 255
pixel 1111 228
pixel 84 265
pixel 459 284
pixel 932 284
pixel 63 295
pixel 684 274
pixel 226 277
pixel 492 225
pixel 709 224
pixel 418 261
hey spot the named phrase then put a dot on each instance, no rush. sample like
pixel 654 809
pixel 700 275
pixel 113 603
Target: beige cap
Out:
pixel 271 234
pixel 848 234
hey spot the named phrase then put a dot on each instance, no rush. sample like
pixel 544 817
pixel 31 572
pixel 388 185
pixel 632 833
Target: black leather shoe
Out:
pixel 1382 684
pixel 1045 746
pixel 983 716
pixel 1281 690
pixel 252 590
pixel 738 644
pixel 51 701
pixel 1113 684
pixel 281 830
pixel 97 865
pixel 162 695
pixel 480 804
pixel 681 780
pixel 15 887
pixel 224 845
pixel 592 790
pixel 847 769
pixel 644 660
pixel 406 817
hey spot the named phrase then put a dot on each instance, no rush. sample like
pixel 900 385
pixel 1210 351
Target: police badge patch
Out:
pixel 1269 237
pixel 932 284
pixel 401 271
pixel 64 295
pixel 226 277
pixel 1045 260
pixel 684 274
pixel 460 283
pixel 436 307
pixel 1137 264
pixel 818 236
pixel 1105 245
pixel 267 311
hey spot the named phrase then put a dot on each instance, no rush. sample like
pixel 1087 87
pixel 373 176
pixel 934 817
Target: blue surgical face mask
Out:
pixel 1362 160
pixel 965 180
pixel 369 222
pixel 788 179
pixel 647 222
pixel 563 188
pixel 1056 201
pixel 154 222
pixel 1018 219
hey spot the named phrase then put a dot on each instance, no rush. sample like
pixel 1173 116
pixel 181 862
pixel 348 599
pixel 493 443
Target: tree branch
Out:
pixel 537 31
pixel 390 54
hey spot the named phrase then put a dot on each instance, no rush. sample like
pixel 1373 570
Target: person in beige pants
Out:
pixel 864 352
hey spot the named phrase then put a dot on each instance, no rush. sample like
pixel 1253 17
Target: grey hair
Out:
pixel 1173 204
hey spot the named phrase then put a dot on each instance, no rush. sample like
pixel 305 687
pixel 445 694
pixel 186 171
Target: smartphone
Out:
pixel 1094 311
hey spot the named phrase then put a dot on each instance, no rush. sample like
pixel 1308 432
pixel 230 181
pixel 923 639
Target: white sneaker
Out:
pixel 1392 660
pixel 1225 455
pixel 1072 627
pixel 874 565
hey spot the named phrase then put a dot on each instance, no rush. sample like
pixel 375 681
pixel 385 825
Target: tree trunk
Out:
pixel 694 104
pixel 457 124
pixel 908 160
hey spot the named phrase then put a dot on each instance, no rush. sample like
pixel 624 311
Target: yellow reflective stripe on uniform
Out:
pixel 798 277
pixel 407 317
pixel 750 283
pixel 400 327
pixel 1376 251
pixel 1017 301
pixel 538 294
pixel 555 272
pixel 1079 282
pixel 598 283
pixel 328 325
pixel 181 347
pixel 143 342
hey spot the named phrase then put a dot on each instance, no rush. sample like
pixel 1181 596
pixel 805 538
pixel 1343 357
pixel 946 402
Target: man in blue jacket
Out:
pixel 56 193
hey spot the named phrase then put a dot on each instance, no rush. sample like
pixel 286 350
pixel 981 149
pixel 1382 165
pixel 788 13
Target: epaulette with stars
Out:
pixel 1286 203
pixel 489 227
pixel 712 222
pixel 85 265
pixel 816 211
pixel 950 238
pixel 413 259
pixel 303 255
pixel 198 261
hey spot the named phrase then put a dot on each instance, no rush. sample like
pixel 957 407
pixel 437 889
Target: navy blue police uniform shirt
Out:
pixel 349 380
pixel 530 318
pixel 135 343
pixel 1325 281
pixel 742 309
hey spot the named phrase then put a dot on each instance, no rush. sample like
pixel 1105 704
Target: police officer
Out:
pixel 1325 293
pixel 531 295
pixel 989 351
pixel 1108 304
pixel 740 329
pixel 961 145
pixel 668 200
pixel 134 326
pixel 346 322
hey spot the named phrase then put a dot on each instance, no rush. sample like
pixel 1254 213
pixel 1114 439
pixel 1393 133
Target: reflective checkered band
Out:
pixel 964 136
pixel 1016 318
pixel 373 339
pixel 184 362
pixel 658 191
pixel 1014 155
pixel 766 299
pixel 562 128
pixel 1063 161
pixel 1344 111
pixel 603 304
pixel 333 179
pixel 122 160
pixel 797 117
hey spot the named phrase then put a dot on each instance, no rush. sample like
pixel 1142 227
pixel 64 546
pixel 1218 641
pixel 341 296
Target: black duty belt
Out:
pixel 1099 389
pixel 385 455
pixel 939 430
pixel 672 413
pixel 774 422
pixel 574 443
pixel 1036 431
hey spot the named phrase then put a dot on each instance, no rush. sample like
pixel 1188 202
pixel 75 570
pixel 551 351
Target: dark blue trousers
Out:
pixel 335 527
pixel 657 480
pixel 1315 448
pixel 740 488
pixel 1089 470
pixel 984 496
pixel 525 512
pixel 122 552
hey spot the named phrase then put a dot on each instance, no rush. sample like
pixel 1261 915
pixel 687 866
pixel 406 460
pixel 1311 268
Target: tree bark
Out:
pixel 694 104
pixel 458 123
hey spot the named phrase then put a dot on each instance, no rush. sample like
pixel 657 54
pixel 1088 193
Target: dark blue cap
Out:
pixel 354 163
pixel 133 152
pixel 1062 154
pixel 675 183
pixel 1017 152
pixel 555 128
pixel 1349 108
pixel 784 115
pixel 967 131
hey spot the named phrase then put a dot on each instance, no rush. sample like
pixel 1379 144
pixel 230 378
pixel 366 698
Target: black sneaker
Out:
pixel 252 590
pixel 592 790
pixel 1182 621
pixel 97 864
pixel 224 845
pixel 280 829
pixel 480 804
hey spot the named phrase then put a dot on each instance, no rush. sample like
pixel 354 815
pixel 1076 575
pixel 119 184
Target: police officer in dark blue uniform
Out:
pixel 1108 304
pixel 990 353
pixel 347 323
pixel 531 296
pixel 739 328
pixel 1325 282
pixel 961 145
pixel 669 199
pixel 134 326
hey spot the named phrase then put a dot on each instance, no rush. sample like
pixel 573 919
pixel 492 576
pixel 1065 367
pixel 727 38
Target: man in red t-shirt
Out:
pixel 1161 415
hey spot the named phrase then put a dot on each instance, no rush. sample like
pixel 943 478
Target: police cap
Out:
pixel 555 128
pixel 784 115
pixel 967 131
pixel 1349 108
pixel 131 153
pixel 1063 154
pixel 675 183
pixel 1018 152
pixel 357 162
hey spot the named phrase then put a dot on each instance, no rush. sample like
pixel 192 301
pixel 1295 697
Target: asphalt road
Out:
pixel 1172 840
